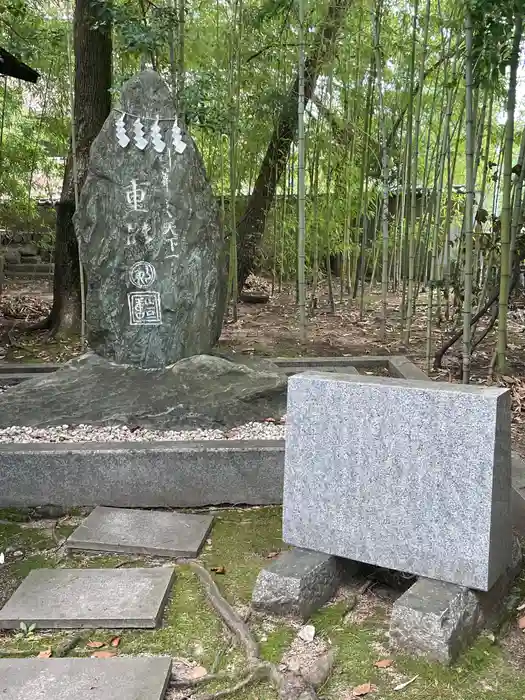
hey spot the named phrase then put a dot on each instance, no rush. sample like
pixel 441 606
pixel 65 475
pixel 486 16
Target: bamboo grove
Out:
pixel 362 145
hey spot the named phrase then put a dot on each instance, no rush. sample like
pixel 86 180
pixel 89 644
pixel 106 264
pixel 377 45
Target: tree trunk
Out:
pixel 92 105
pixel 251 226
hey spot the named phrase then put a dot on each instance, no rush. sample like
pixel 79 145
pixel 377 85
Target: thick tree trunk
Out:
pixel 251 226
pixel 92 105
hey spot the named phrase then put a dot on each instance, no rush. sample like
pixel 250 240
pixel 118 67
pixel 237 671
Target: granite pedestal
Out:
pixel 403 474
pixel 89 598
pixel 438 620
pixel 298 582
pixel 96 679
pixel 157 533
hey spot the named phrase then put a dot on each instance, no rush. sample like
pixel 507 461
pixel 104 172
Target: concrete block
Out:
pixel 141 532
pixel 297 583
pixel 142 475
pixel 518 494
pixel 438 620
pixel 89 598
pixel 403 474
pixel 96 679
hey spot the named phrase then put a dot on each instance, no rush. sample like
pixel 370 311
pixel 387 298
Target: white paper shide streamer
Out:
pixel 176 138
pixel 122 138
pixel 156 137
pixel 138 130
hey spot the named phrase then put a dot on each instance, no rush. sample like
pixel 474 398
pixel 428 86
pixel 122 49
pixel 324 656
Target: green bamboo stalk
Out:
pixel 506 262
pixel 469 201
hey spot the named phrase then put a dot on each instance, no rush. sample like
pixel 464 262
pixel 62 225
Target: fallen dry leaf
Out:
pixel 95 645
pixel 362 690
pixel 521 623
pixel 196 672
pixel 45 654
pixel 384 663
pixel 115 641
pixel 103 654
pixel 521 607
pixel 272 555
pixel 402 686
pixel 218 569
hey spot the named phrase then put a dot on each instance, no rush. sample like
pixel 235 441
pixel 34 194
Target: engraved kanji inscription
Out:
pixel 142 275
pixel 144 309
pixel 136 194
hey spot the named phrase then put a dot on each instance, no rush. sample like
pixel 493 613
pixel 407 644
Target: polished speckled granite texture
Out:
pixel 403 474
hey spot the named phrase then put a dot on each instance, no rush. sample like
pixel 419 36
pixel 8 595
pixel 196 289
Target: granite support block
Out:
pixel 298 582
pixel 408 475
pixel 97 679
pixel 142 475
pixel 89 599
pixel 438 620
pixel 132 531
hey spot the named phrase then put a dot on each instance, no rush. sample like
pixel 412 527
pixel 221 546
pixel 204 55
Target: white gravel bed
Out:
pixel 268 430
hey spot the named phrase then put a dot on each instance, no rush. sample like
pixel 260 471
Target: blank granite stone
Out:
pixel 73 679
pixel 403 474
pixel 142 532
pixel 89 598
pixel 437 620
pixel 297 583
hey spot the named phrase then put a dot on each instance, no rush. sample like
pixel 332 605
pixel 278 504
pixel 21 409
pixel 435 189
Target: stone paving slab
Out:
pixel 89 598
pixel 141 532
pixel 97 679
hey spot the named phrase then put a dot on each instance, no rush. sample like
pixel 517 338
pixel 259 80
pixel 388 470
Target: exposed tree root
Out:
pixel 289 685
pixel 233 622
pixel 70 643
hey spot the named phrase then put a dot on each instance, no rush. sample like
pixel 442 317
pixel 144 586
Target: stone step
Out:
pixel 29 275
pixel 127 531
pixel 125 678
pixel 89 598
pixel 29 268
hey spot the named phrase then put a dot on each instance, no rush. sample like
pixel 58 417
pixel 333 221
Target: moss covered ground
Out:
pixel 240 544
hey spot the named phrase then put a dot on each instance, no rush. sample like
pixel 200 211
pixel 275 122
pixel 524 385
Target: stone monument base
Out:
pixel 432 619
pixel 204 391
pixel 438 620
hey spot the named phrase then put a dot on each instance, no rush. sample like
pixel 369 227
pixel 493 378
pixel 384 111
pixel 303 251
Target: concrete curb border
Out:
pixel 160 475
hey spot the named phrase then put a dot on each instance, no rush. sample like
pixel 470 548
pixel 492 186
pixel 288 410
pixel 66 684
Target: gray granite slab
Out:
pixel 404 474
pixel 96 679
pixel 297 583
pixel 141 532
pixel 89 598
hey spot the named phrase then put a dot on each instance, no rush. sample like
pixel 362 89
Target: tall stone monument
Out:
pixel 149 236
